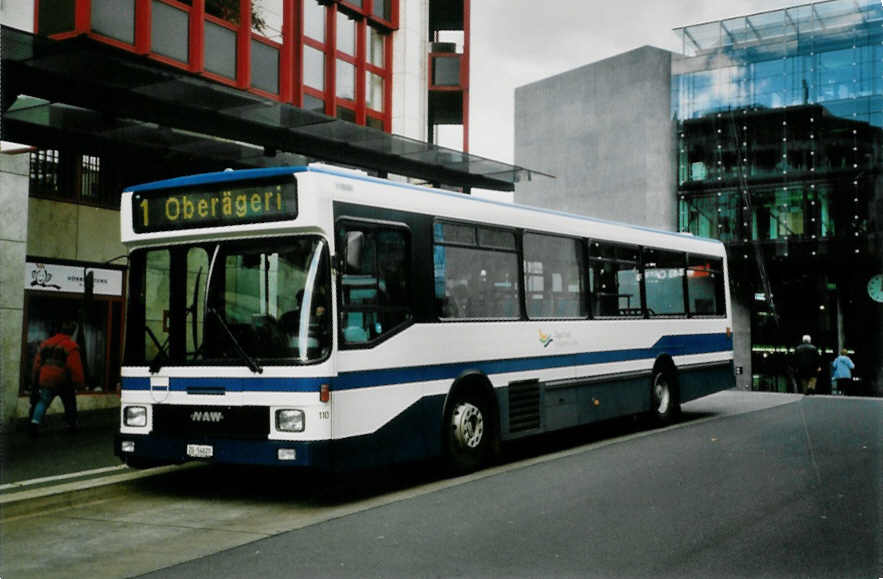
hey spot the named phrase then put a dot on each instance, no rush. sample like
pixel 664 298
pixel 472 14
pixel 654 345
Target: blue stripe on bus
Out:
pixel 674 345
pixel 233 384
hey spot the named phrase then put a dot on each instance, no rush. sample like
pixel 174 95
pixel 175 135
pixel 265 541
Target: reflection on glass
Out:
pixel 346 80
pixel 170 31
pixel 314 68
pixel 314 20
pixel 266 19
pixel 346 34
pixel 220 50
pixel 264 67
pixel 376 47
pixel 114 18
pixel 374 97
pixel 383 9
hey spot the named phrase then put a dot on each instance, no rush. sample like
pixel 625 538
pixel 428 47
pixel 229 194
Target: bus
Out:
pixel 318 317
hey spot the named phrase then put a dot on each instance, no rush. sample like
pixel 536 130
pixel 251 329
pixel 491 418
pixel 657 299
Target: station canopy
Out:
pixel 81 87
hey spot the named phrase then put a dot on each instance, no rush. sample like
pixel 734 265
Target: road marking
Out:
pixel 60 477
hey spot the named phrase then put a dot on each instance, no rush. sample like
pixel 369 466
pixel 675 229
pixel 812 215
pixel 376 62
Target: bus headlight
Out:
pixel 290 420
pixel 135 416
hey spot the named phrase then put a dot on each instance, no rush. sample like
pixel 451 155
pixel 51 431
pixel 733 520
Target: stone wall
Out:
pixel 13 248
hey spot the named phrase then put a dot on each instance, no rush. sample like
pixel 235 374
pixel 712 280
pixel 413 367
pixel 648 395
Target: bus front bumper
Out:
pixel 148 449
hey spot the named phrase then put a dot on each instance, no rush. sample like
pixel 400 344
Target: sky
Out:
pixel 517 42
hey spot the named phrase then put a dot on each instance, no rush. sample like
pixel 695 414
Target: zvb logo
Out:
pixel 546 339
pixel 199 416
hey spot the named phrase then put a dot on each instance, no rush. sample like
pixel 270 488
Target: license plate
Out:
pixel 200 450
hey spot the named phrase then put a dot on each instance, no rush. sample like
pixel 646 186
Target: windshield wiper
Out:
pixel 194 325
pixel 155 364
pixel 250 362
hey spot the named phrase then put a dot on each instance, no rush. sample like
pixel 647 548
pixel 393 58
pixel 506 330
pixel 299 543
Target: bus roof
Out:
pixel 230 175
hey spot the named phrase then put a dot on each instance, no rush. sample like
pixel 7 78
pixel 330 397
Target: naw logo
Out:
pixel 546 339
pixel 206 416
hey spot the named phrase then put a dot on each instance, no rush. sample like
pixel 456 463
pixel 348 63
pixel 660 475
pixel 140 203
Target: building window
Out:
pixel 170 30
pixel 304 65
pixel 72 176
pixel 346 34
pixel 90 178
pixel 114 19
pixel 220 49
pixel 266 42
pixel 266 19
pixel 45 173
pixel 346 80
pixel 314 20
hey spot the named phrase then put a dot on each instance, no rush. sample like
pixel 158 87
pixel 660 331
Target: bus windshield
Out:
pixel 246 302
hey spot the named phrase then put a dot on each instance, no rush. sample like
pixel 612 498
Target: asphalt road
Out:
pixel 791 491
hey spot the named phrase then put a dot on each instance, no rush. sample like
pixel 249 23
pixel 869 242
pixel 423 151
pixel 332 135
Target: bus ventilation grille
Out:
pixel 524 406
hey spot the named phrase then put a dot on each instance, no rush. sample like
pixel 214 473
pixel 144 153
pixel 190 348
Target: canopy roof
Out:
pixel 83 87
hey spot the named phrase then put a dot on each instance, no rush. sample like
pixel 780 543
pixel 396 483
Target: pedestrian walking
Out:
pixel 807 363
pixel 58 371
pixel 841 372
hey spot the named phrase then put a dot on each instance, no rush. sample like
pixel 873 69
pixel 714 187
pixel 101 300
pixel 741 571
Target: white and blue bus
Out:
pixel 318 317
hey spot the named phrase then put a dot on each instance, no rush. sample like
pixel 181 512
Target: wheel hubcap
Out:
pixel 662 394
pixel 468 425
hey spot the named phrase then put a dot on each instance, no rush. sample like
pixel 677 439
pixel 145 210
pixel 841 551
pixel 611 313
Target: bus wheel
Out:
pixel 664 397
pixel 468 433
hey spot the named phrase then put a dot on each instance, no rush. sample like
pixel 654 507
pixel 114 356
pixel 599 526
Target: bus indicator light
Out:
pixel 324 393
pixel 286 454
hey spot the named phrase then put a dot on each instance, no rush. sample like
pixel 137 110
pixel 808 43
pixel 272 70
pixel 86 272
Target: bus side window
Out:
pixel 614 281
pixel 374 281
pixel 476 272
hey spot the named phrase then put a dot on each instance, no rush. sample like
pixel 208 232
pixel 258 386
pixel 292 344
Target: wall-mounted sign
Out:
pixel 52 277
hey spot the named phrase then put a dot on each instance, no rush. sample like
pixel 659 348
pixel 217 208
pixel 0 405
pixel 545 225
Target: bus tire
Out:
pixel 468 432
pixel 664 400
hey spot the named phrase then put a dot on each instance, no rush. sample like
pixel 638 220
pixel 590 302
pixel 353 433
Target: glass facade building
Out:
pixel 779 120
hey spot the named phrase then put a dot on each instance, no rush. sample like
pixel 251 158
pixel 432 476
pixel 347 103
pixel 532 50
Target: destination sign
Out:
pixel 201 207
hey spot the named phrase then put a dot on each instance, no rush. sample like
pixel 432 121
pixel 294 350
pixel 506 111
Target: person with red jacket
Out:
pixel 58 371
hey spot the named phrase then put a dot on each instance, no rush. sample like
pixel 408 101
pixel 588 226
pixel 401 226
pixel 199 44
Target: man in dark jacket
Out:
pixel 58 371
pixel 807 363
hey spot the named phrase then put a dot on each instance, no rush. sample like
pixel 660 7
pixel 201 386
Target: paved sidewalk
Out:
pixel 56 452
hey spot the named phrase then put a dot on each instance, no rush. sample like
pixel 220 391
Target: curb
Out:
pixel 40 500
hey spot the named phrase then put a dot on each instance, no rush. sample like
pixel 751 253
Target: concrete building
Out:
pixel 101 94
pixel 605 132
pixel 772 144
